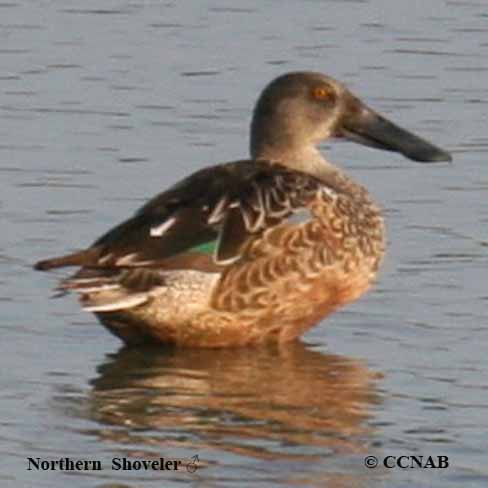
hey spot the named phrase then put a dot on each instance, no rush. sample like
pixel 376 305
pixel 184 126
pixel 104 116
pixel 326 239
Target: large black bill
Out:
pixel 369 128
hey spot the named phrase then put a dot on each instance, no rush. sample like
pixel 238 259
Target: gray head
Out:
pixel 298 110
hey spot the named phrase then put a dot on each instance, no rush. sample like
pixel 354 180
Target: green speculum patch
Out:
pixel 205 248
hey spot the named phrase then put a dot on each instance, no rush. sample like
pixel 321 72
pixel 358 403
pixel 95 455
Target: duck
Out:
pixel 252 251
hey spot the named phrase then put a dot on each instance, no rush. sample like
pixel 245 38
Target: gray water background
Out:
pixel 104 104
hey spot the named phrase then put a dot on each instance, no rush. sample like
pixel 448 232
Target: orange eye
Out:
pixel 322 93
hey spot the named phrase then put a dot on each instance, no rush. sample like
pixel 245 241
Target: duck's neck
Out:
pixel 304 158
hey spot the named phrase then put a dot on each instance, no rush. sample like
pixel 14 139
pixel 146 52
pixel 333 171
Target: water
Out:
pixel 104 105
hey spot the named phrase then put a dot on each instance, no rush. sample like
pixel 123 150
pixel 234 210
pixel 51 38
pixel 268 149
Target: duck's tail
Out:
pixel 110 290
pixel 80 258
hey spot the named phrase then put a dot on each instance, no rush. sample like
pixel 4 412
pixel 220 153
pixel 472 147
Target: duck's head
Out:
pixel 298 110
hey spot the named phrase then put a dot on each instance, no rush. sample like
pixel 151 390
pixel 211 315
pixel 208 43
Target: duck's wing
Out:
pixel 218 210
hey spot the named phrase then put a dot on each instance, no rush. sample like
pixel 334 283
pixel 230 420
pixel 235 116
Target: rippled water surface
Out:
pixel 103 104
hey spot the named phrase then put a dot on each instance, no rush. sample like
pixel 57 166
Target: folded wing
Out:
pixel 221 208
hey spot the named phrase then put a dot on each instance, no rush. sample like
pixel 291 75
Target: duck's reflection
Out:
pixel 269 403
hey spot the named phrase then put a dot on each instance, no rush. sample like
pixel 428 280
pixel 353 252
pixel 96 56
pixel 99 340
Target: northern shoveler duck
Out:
pixel 255 250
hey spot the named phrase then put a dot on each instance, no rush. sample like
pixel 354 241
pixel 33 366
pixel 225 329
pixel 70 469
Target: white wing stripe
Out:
pixel 159 230
pixel 218 211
